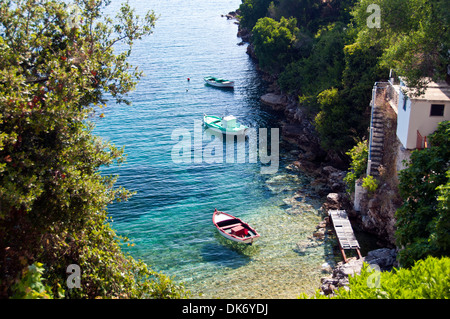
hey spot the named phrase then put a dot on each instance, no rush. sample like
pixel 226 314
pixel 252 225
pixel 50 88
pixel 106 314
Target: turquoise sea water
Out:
pixel 169 219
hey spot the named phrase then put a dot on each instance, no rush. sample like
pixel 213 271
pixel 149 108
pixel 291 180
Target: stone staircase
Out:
pixel 376 141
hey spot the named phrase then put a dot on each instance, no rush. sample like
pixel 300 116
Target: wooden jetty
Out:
pixel 344 232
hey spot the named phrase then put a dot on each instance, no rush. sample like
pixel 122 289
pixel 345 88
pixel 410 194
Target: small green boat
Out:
pixel 218 82
pixel 226 125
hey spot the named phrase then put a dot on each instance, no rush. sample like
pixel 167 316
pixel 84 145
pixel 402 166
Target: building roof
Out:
pixel 435 91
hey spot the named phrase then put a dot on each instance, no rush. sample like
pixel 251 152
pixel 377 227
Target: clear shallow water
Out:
pixel 169 219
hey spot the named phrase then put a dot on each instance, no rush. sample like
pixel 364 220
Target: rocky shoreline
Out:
pixel 327 171
pixel 327 180
pixel 338 273
pixel 383 259
pixel 325 168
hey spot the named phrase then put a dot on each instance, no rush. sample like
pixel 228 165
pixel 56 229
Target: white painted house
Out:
pixel 419 116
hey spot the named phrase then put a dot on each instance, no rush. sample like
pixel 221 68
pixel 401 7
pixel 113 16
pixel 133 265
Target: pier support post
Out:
pixel 343 254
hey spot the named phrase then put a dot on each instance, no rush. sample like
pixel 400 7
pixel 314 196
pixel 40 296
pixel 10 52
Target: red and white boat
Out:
pixel 234 228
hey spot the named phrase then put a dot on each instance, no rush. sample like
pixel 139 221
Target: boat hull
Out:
pixel 234 229
pixel 226 84
pixel 245 241
pixel 208 121
pixel 241 132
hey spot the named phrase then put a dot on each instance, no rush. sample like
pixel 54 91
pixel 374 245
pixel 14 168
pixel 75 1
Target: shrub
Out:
pixel 274 42
pixel 423 219
pixel 55 65
pixel 370 184
pixel 427 279
pixel 31 285
pixel 358 165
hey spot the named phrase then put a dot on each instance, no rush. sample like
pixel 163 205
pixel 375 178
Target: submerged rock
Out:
pixel 303 246
pixel 320 233
pixel 383 259
pixel 283 182
pixel 274 100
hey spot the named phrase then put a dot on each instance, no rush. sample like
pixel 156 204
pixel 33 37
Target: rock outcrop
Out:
pixel 277 102
pixel 382 259
pixel 378 209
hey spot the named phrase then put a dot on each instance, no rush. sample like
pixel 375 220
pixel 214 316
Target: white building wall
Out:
pixel 414 114
pixel 403 116
pixel 420 120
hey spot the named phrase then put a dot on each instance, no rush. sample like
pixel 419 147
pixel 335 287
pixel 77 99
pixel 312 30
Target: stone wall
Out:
pixel 377 211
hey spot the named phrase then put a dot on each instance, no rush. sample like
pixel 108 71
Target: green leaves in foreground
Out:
pixel 57 61
pixel 423 220
pixel 427 279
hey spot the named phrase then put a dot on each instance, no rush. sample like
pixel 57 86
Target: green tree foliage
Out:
pixel 414 37
pixel 360 73
pixel 335 64
pixel 31 285
pixel 305 11
pixel 427 279
pixel 312 15
pixel 273 41
pixel 56 62
pixel 370 184
pixel 251 11
pixel 350 107
pixel 335 133
pixel 442 238
pixel 334 51
pixel 320 68
pixel 423 220
pixel 358 165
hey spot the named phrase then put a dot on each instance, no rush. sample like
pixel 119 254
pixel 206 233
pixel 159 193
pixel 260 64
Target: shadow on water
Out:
pixel 242 249
pixel 224 89
pixel 223 256
pixel 227 253
pixel 367 241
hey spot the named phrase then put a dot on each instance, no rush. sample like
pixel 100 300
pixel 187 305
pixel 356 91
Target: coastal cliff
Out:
pixel 327 169
pixel 321 61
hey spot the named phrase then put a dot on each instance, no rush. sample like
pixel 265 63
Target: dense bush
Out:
pixel 370 184
pixel 358 164
pixel 319 68
pixel 56 62
pixel 413 37
pixel 427 279
pixel 423 220
pixel 273 41
pixel 334 131
pixel 251 11
pixel 31 286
